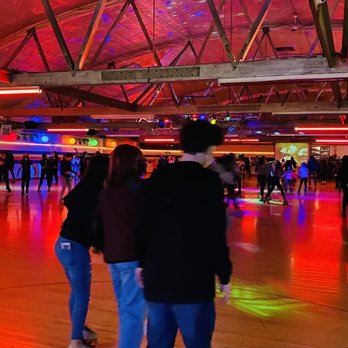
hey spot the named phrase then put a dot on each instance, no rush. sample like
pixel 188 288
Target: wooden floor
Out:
pixel 290 284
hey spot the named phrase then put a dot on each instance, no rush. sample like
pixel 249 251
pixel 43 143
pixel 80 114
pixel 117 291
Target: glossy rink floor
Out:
pixel 290 284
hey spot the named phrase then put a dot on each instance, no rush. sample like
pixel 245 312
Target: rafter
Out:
pixel 260 72
pixel 92 97
pixel 277 109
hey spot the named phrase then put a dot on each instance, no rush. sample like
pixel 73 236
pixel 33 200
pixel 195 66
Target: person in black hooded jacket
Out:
pixel 181 243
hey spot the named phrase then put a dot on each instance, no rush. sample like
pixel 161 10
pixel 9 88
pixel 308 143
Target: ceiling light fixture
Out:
pixel 332 141
pixel 20 90
pixel 159 140
pixel 302 129
pixel 67 129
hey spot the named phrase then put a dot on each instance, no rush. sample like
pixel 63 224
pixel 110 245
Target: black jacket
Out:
pixel 181 238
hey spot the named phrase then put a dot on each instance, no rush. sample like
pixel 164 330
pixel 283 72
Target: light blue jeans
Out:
pixel 130 302
pixel 76 262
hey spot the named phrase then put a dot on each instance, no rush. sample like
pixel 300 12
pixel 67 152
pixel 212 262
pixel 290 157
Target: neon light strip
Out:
pixel 30 90
pixel 67 129
pixel 333 141
pixel 179 152
pixel 53 145
pixel 159 140
pixel 123 135
pixel 242 140
pixel 321 128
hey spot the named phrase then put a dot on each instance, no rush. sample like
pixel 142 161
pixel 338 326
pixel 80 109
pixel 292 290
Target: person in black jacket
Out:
pixel 46 171
pixel 4 170
pixel 342 182
pixel 25 166
pixel 181 243
pixel 72 247
pixel 66 173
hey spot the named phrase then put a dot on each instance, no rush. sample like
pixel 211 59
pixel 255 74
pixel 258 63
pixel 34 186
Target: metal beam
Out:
pixel 254 31
pixel 32 32
pixel 321 18
pixel 18 49
pixel 211 28
pixel 92 97
pixel 92 29
pixel 344 51
pixel 260 72
pixel 316 41
pixel 326 108
pixel 146 34
pixel 246 14
pixel 221 31
pixel 57 32
pixel 114 24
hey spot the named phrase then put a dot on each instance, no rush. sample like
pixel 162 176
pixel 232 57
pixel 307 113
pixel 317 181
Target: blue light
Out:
pixel 202 117
pixel 105 18
pixel 199 14
pixel 44 139
pixel 107 39
pixel 231 129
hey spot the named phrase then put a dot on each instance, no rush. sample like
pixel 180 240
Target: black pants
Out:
pixel 303 180
pixel 48 176
pixel 55 175
pixel 274 181
pixel 4 176
pixel 262 180
pixel 344 198
pixel 25 182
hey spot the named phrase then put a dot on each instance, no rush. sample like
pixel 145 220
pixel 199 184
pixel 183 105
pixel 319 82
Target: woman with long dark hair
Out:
pixel 117 215
pixel 74 242
pixel 25 166
pixel 342 181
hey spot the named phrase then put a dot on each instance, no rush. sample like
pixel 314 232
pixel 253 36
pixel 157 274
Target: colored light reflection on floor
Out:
pixel 262 301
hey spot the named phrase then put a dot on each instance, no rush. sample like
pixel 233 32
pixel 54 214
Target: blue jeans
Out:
pixel 130 302
pixel 196 323
pixel 76 261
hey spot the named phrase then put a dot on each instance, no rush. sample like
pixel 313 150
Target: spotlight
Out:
pixel 213 120
pixel 161 124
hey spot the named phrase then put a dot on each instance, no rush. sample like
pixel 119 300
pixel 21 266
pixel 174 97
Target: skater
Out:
pixel 288 177
pixel 46 172
pixel 262 170
pixel 67 174
pixel 342 180
pixel 25 166
pixel 303 173
pixel 275 173
pixel 182 244
pixel 313 168
pixel 117 215
pixel 10 161
pixel 55 161
pixel 4 171
pixel 72 247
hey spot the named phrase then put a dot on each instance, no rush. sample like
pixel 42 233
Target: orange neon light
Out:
pixel 337 141
pixel 243 140
pixel 67 129
pixel 21 90
pixel 159 140
pixel 321 128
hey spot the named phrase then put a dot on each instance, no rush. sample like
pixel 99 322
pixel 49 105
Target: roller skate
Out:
pixel 90 337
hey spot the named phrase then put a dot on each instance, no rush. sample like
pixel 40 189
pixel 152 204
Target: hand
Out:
pixel 226 291
pixel 139 279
